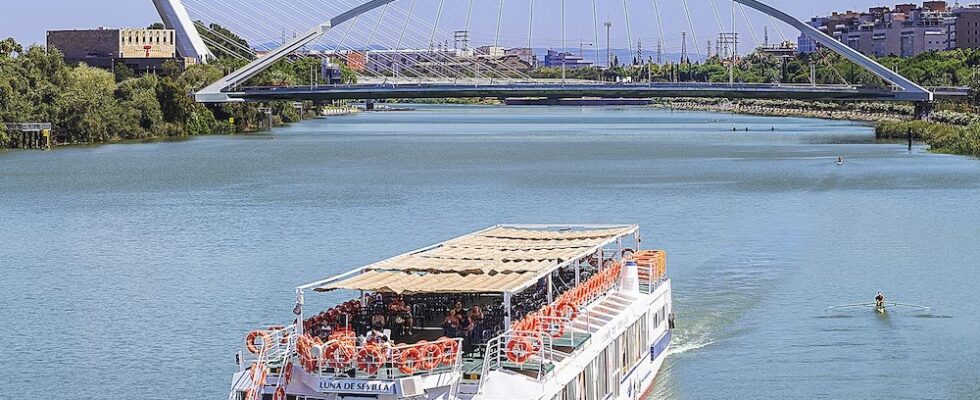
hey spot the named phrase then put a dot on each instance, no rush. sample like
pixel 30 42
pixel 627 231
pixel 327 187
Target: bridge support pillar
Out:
pixel 923 110
pixel 369 105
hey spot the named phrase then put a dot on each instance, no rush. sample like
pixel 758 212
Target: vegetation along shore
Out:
pixel 89 105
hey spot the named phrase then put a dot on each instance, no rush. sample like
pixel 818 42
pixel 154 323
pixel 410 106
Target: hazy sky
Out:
pixel 27 20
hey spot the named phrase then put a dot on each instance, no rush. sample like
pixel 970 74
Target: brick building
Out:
pixel 904 30
pixel 142 50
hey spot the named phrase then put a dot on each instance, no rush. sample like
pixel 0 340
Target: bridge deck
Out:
pixel 737 91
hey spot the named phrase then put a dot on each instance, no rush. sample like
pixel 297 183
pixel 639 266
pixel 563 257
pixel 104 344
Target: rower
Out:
pixel 840 160
pixel 880 300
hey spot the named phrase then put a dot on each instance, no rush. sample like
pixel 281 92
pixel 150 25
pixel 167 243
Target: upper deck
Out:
pixel 517 298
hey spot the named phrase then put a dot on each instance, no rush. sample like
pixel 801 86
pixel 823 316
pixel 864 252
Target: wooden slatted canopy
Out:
pixel 495 260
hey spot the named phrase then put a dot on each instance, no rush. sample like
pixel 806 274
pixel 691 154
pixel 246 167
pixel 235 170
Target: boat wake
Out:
pixel 688 346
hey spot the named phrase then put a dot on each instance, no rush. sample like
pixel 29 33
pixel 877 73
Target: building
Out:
pixel 555 59
pixel 524 54
pixel 905 30
pixel 966 31
pixel 142 50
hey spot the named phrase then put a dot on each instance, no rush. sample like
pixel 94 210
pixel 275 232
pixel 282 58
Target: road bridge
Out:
pixel 232 87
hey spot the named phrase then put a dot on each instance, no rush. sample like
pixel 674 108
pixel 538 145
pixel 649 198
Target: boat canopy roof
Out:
pixel 498 259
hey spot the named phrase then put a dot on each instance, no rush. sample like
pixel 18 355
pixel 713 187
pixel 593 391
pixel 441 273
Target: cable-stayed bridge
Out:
pixel 489 48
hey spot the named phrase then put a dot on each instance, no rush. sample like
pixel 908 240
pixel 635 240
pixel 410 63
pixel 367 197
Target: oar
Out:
pixel 851 306
pixel 909 305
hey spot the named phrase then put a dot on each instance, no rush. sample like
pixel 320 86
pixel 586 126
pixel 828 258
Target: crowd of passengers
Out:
pixel 382 317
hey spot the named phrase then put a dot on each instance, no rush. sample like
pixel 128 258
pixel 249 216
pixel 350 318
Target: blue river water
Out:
pixel 133 271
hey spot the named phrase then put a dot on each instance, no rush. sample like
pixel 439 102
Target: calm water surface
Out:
pixel 134 271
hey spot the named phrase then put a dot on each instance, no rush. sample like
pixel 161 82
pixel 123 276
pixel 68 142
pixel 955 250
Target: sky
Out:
pixel 27 20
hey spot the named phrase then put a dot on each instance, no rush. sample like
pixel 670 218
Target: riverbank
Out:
pixel 855 111
pixel 948 131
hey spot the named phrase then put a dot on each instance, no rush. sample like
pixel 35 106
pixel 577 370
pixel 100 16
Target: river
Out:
pixel 134 270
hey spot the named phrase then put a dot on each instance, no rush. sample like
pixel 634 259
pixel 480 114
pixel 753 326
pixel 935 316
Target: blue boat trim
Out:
pixel 661 345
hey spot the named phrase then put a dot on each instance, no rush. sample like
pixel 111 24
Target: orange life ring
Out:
pixel 344 336
pixel 250 394
pixel 280 394
pixel 338 355
pixel 519 350
pixel 409 360
pixel 554 328
pixel 431 356
pixel 304 347
pixel 287 373
pixel 259 374
pixel 572 310
pixel 450 351
pixel 250 341
pixel 370 359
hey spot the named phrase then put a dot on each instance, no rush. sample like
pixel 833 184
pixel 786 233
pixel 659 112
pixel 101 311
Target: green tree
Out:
pixel 141 111
pixel 88 112
pixel 156 25
pixel 4 138
pixel 175 101
pixel 9 46
pixel 123 72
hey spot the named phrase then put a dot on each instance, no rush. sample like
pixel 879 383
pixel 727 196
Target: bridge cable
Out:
pixel 595 31
pixel 225 41
pixel 660 28
pixel 229 41
pixel 694 33
pixel 392 57
pixel 629 35
pixel 411 10
pixel 492 71
pixel 562 50
pixel 755 37
pixel 258 43
pixel 245 16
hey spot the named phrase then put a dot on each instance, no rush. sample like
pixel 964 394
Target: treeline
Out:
pixel 944 68
pixel 90 105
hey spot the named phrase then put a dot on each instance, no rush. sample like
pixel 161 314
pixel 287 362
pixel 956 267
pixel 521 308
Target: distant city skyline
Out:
pixel 27 22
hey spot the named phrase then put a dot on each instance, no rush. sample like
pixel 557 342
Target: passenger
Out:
pixel 458 308
pixel 403 317
pixel 476 314
pixel 378 317
pixel 450 325
pixel 376 335
pixel 465 325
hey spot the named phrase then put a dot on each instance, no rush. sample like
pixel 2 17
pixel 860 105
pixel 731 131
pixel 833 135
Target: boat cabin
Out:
pixel 437 320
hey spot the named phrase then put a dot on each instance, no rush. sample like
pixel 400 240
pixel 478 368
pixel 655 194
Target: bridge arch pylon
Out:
pixel 217 92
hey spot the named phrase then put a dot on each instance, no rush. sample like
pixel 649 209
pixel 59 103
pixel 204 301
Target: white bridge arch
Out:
pixel 190 42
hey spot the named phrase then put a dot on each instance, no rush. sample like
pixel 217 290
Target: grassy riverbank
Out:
pixel 948 131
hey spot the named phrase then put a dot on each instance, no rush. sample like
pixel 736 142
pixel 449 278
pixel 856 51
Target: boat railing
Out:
pixel 651 268
pixel 274 343
pixel 266 351
pixel 346 358
pixel 525 351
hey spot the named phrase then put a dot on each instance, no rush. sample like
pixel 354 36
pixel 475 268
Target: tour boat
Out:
pixel 509 312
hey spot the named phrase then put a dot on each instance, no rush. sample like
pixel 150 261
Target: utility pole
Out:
pixel 639 52
pixel 765 32
pixel 660 52
pixel 608 49
pixel 707 56
pixel 683 47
